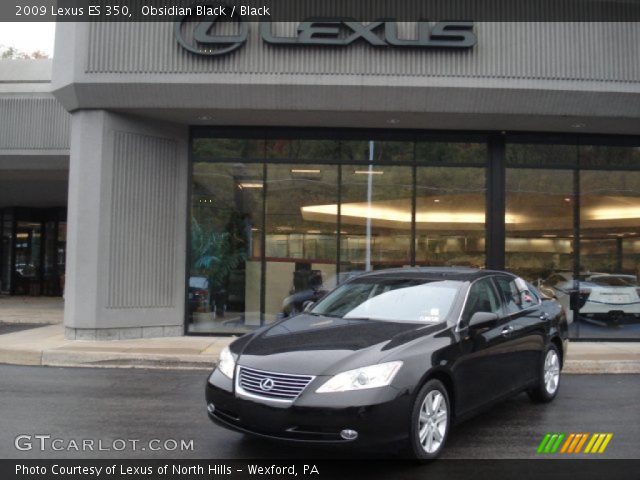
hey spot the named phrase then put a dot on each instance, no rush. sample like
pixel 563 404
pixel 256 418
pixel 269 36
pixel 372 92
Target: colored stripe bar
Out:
pixel 550 443
pixel 581 443
pixel 565 447
pixel 556 445
pixel 605 443
pixel 543 443
pixel 593 439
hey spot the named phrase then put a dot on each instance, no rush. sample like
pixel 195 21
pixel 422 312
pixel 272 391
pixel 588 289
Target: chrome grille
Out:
pixel 275 386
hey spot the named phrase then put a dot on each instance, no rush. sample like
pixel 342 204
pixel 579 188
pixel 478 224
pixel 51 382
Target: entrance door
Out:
pixel 28 251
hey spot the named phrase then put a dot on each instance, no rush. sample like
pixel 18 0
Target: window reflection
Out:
pixel 450 216
pixel 608 297
pixel 300 253
pixel 225 269
pixel 375 222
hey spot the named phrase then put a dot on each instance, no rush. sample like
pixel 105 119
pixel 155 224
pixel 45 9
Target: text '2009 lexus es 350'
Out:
pixel 392 356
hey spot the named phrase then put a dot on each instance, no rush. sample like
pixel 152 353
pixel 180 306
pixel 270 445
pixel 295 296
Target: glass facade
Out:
pixel 277 219
pixel 32 251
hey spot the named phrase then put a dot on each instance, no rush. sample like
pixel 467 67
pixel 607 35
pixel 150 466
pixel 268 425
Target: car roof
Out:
pixel 448 273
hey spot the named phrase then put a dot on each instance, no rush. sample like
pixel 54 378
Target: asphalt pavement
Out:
pixel 104 405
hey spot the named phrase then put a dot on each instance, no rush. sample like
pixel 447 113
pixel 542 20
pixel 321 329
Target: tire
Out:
pixel 549 369
pixel 434 434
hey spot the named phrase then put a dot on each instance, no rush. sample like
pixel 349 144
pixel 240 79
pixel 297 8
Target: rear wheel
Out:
pixel 549 377
pixel 430 421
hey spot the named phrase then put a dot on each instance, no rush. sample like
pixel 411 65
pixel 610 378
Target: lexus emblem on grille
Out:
pixel 267 384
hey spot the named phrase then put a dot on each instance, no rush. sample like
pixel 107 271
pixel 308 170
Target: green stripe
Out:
pixel 543 442
pixel 558 442
pixel 547 449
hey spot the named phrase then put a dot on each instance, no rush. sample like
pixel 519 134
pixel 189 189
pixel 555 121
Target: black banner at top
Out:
pixel 299 10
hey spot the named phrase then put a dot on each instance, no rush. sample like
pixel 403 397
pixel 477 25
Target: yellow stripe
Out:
pixel 594 437
pixel 606 442
pixel 596 446
pixel 584 439
pixel 567 442
pixel 575 442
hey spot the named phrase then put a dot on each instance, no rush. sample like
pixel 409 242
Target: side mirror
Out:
pixel 482 319
pixel 308 305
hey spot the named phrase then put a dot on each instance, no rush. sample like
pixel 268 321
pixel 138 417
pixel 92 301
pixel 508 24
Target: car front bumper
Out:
pixel 377 417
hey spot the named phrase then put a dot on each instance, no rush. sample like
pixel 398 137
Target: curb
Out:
pixel 602 367
pixel 206 361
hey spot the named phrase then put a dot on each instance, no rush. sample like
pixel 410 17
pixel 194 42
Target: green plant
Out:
pixel 214 254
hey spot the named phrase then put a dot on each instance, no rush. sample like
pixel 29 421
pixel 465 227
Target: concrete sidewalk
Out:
pixel 47 346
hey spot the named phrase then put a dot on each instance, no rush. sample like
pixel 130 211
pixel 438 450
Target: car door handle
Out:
pixel 506 331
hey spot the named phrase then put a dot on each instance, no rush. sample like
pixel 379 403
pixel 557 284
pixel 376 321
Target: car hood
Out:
pixel 317 345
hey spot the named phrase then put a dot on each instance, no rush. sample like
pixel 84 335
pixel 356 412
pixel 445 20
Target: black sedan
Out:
pixel 392 356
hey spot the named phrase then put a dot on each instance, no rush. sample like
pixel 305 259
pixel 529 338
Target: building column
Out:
pixel 126 245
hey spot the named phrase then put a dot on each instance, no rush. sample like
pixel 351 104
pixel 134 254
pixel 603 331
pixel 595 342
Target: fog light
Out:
pixel 211 408
pixel 348 434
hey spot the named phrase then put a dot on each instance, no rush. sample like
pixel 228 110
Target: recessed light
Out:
pixel 567 199
pixel 205 118
pixel 578 125
pixel 393 121
pixel 436 200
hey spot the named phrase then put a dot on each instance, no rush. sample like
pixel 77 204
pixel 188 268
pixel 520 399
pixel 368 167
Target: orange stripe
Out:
pixel 575 442
pixel 567 442
pixel 584 439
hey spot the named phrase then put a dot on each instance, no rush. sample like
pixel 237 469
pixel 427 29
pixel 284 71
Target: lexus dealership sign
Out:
pixel 202 38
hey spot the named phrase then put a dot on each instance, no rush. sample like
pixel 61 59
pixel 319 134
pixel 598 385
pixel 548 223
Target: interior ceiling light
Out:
pixel 401 216
pixel 578 125
pixel 305 170
pixel 205 118
pixel 617 213
pixel 368 172
pixel 393 121
pixel 250 185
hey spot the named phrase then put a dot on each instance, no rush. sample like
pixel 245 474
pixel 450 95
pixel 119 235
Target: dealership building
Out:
pixel 167 185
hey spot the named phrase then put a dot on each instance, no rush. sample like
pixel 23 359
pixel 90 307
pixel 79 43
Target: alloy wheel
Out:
pixel 551 371
pixel 432 421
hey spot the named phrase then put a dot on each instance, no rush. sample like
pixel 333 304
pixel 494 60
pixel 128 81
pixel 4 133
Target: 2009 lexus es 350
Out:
pixel 392 356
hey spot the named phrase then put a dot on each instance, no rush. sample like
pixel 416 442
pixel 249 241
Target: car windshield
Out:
pixel 391 299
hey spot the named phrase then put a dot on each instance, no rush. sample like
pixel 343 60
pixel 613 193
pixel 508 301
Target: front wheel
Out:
pixel 549 377
pixel 430 421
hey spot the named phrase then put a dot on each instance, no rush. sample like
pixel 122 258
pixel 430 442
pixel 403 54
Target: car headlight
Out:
pixel 372 376
pixel 226 362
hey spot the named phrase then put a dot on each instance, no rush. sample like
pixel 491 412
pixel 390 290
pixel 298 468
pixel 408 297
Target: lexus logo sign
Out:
pixel 204 38
pixel 267 384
